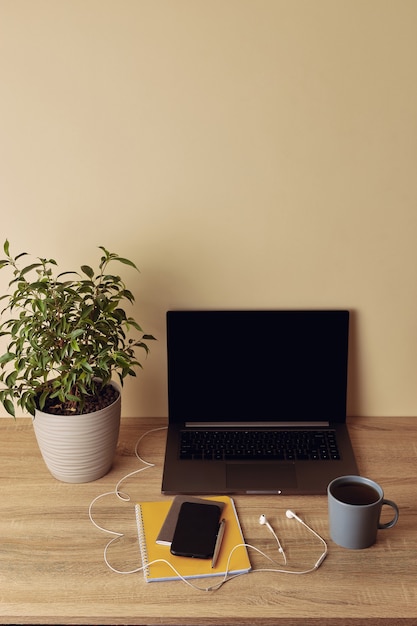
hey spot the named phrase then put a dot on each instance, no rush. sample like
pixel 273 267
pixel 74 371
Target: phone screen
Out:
pixel 196 530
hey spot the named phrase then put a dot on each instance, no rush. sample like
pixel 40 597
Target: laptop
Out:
pixel 260 375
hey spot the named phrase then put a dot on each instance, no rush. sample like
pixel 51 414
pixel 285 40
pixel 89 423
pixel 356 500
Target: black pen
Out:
pixel 219 538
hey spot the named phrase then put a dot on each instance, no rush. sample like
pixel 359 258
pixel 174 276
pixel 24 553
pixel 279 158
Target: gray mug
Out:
pixel 355 505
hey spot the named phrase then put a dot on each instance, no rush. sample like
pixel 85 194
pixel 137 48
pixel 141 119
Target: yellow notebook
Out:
pixel 150 517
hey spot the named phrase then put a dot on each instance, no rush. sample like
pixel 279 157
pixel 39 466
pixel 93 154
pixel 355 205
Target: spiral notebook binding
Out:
pixel 142 542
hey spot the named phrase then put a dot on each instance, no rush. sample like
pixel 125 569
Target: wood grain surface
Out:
pixel 52 569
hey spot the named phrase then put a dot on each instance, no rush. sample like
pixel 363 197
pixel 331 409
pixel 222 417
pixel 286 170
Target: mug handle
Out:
pixel 396 514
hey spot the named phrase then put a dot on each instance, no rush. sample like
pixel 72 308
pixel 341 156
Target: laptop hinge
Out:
pixel 257 424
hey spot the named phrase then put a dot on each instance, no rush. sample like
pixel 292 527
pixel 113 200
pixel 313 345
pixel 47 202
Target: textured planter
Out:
pixel 79 448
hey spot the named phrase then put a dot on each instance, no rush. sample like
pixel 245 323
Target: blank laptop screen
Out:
pixel 251 366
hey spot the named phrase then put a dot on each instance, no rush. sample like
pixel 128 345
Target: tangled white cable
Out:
pixel 122 496
pixel 226 577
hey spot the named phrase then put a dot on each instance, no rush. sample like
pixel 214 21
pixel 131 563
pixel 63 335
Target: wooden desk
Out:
pixel 51 556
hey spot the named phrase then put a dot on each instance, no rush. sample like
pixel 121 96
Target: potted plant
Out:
pixel 67 335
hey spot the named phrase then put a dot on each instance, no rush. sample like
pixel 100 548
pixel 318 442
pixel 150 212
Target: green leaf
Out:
pixel 88 271
pixel 6 247
pixel 85 313
pixel 127 294
pixel 29 268
pixel 126 262
pixel 9 406
pixel 42 399
pixel 11 379
pixel 131 322
pixel 76 333
pixel 72 398
pixel 41 305
pixel 106 252
pixel 6 357
pixel 74 345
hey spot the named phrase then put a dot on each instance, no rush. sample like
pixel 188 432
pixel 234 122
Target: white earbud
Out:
pixel 291 515
pixel 264 522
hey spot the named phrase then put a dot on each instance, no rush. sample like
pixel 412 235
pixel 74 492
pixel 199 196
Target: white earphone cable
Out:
pixel 120 494
pixel 226 577
pixel 323 556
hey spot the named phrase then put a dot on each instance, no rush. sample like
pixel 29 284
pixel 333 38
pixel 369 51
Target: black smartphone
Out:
pixel 196 530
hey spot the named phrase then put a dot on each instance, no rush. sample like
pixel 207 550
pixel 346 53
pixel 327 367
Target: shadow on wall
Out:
pixel 354 369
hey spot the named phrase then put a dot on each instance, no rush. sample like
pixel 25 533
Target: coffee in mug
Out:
pixel 355 493
pixel 355 505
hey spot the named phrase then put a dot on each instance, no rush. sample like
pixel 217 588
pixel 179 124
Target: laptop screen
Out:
pixel 234 366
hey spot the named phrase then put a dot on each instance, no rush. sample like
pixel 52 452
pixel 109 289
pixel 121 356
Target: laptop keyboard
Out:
pixel 287 445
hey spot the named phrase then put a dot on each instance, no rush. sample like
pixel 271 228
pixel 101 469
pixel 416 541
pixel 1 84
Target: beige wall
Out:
pixel 245 153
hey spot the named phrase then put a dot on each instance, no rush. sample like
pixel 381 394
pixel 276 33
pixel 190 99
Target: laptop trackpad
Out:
pixel 260 478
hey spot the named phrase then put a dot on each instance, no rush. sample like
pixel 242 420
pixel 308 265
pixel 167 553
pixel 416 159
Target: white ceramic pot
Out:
pixel 79 448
